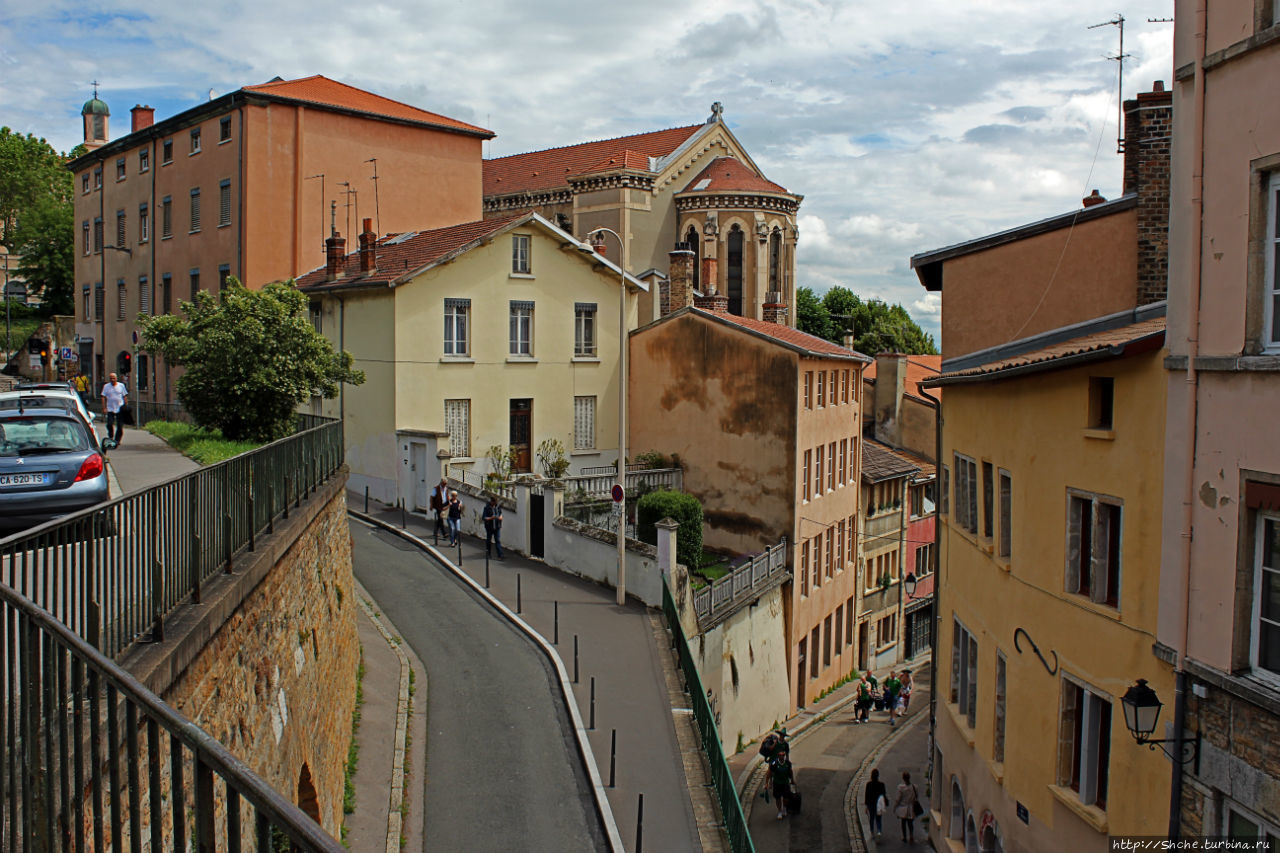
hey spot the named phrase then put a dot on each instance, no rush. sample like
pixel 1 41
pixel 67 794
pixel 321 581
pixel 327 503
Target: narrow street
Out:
pixel 502 771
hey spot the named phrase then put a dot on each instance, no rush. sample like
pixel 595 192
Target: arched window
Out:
pixel 695 244
pixel 991 841
pixel 971 836
pixel 775 260
pixel 956 828
pixel 733 277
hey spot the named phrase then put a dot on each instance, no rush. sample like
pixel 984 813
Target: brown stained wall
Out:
pixel 291 645
pixel 726 403
pixel 994 296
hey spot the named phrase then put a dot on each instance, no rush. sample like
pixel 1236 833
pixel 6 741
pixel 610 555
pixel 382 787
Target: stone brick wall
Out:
pixel 276 683
pixel 1148 143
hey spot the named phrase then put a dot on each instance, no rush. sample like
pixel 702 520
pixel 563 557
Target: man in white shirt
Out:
pixel 113 398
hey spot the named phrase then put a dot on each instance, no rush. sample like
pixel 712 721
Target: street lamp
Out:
pixel 1141 711
pixel 597 243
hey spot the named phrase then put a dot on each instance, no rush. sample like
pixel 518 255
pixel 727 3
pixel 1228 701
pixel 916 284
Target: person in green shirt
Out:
pixel 779 776
pixel 892 687
pixel 863 705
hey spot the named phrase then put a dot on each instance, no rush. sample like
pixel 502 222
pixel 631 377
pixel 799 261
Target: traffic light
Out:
pixel 124 362
pixel 44 352
pixel 33 345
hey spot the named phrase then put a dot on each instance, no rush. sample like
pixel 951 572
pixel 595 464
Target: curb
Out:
pixel 858 840
pixel 395 819
pixel 603 809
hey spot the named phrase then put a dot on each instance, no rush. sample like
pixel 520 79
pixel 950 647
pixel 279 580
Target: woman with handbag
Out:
pixel 876 801
pixel 907 807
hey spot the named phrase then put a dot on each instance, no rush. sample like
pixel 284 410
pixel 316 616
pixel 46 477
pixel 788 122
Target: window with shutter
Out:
pixel 166 217
pixel 584 423
pixel 520 254
pixel 988 500
pixel 224 203
pixel 1094 531
pixel 584 330
pixel 144 296
pixel 195 210
pixel 1084 742
pixel 1006 514
pixel 121 294
pixel 455 326
pixel 121 228
pixel 521 343
pixel 831 467
pixel 99 298
pixel 457 422
pixel 808 462
pixel 144 224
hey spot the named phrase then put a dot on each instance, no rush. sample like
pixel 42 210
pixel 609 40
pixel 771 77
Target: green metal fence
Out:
pixel 735 822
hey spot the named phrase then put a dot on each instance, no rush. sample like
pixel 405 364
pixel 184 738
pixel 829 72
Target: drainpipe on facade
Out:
pixel 937 588
pixel 342 387
pixel 1191 419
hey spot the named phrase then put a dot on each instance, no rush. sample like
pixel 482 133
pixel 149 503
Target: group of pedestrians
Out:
pixel 448 511
pixel 894 696
pixel 906 805
pixel 779 777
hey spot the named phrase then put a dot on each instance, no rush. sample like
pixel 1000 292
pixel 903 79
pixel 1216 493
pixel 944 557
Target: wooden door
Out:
pixel 520 432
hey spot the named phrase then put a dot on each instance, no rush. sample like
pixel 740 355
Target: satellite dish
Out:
pixel 212 94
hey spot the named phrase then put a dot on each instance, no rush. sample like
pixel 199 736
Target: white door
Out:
pixel 418 474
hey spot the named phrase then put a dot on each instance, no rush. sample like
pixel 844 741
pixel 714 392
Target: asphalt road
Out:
pixel 502 770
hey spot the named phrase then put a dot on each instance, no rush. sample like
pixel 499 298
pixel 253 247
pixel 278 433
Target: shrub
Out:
pixel 551 458
pixel 686 511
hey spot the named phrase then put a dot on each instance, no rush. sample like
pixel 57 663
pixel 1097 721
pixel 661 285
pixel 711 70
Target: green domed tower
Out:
pixel 96 115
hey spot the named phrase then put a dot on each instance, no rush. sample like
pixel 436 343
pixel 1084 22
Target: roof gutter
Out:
pixel 1146 343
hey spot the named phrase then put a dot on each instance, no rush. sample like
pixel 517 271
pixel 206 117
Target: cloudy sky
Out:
pixel 907 127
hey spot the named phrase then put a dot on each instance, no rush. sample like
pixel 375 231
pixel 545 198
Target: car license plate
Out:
pixel 25 479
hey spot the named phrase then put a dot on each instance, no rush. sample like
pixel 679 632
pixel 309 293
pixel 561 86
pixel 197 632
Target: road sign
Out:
pixel 617 493
pixel 68 354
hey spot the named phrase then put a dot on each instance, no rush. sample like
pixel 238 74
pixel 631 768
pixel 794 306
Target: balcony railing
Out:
pixel 600 486
pixel 741 583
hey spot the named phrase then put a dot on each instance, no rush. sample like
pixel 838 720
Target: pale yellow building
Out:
pixel 498 332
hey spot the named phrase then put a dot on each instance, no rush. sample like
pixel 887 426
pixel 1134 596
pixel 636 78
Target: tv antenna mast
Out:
pixel 353 200
pixel 1119 58
pixel 377 211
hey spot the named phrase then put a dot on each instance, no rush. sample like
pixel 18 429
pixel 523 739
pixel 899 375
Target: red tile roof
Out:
pixel 550 168
pixel 397 254
pixel 1114 341
pixel 881 462
pixel 319 89
pixel 787 335
pixel 728 174
pixel 629 159
pixel 919 368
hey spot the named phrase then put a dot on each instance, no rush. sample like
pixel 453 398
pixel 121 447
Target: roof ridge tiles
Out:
pixel 690 128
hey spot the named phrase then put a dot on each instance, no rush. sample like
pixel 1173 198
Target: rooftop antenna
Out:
pixel 321 177
pixel 1120 57
pixel 352 194
pixel 377 211
pixel 333 218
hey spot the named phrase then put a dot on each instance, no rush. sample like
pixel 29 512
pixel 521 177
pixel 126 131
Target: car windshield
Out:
pixel 30 435
pixel 15 403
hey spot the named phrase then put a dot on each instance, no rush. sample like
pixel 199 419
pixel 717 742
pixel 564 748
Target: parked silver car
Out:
pixel 28 395
pixel 50 465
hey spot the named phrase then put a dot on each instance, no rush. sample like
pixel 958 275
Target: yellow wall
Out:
pixel 1034 428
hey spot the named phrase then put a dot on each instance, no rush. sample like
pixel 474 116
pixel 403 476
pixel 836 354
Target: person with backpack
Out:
pixel 455 518
pixel 905 678
pixel 440 505
pixel 862 705
pixel 780 778
pixel 492 518
pixel 876 800
pixel 891 688
pixel 907 807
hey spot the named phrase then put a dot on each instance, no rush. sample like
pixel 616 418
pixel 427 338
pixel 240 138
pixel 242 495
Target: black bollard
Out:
pixel 613 754
pixel 556 641
pixel 518 602
pixel 366 500
pixel 459 548
pixel 486 571
pixel 592 725
pixel 640 824
pixel 402 516
pixel 575 658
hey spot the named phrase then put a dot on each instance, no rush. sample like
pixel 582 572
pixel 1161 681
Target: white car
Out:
pixel 63 398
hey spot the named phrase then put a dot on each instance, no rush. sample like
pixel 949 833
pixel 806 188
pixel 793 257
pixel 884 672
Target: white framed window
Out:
pixel 224 129
pixel 1240 824
pixel 457 422
pixel 804 478
pixel 831 467
pixel 887 631
pixel 1264 654
pixel 520 264
pixel 88 310
pixel 166 151
pixel 144 160
pixel 84 182
pixel 584 423
pixel 1084 741
pixel 1094 525
pixel 1271 253
pixel 521 343
pixel 822 382
pixel 584 329
pixel 85 229
pixel 195 140
pixel 966 493
pixel 144 223
pixel 120 169
pixel 456 312
pixel 964 672
pixel 1005 546
pixel 924 560
pixel 808 389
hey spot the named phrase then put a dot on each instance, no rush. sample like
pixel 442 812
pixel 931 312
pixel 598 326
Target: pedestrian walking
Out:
pixel 891 688
pixel 780 777
pixel 876 800
pixel 907 807
pixel 113 400
pixel 492 518
pixel 862 707
pixel 905 678
pixel 455 518
pixel 440 506
pixel 82 387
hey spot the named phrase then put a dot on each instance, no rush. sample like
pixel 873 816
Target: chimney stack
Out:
pixel 891 382
pixel 1148 136
pixel 1093 198
pixel 680 277
pixel 142 117
pixel 368 243
pixel 775 308
pixel 713 302
pixel 335 250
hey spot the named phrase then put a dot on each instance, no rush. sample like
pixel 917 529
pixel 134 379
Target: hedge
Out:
pixel 685 510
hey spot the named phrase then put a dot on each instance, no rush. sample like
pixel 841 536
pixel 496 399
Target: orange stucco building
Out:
pixel 765 420
pixel 248 184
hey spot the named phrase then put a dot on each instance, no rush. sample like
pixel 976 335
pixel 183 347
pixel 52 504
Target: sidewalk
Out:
pixel 829 751
pixel 142 460
pixel 622 649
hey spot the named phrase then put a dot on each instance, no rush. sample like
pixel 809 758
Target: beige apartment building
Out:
pixel 695 185
pixel 247 184
pixel 1220 586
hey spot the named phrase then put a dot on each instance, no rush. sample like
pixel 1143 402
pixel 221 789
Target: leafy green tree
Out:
pixel 685 509
pixel 30 172
pixel 45 243
pixel 876 326
pixel 811 315
pixel 251 357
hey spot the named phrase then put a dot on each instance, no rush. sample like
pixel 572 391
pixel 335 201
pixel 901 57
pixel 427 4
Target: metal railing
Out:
pixel 92 758
pixel 741 582
pixel 735 822
pixel 113 572
pixel 480 482
pixel 598 486
pixel 145 411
